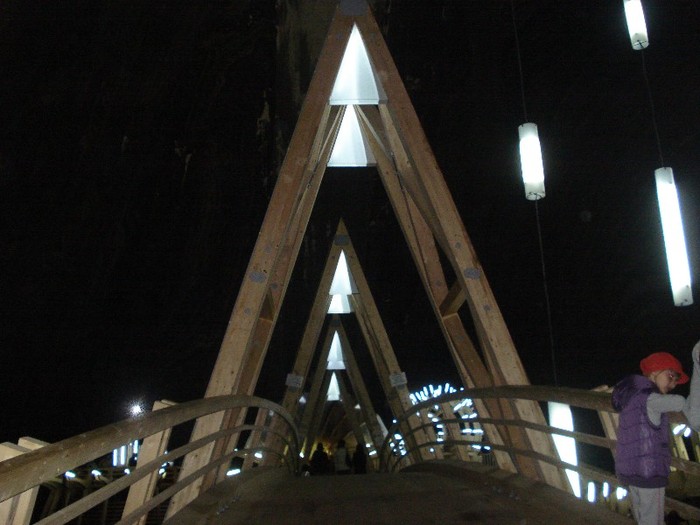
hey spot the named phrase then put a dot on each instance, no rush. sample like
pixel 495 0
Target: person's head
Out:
pixel 664 370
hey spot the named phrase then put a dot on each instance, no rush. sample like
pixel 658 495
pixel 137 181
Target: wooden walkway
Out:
pixel 435 493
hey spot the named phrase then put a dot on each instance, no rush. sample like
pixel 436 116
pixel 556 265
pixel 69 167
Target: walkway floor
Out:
pixel 445 495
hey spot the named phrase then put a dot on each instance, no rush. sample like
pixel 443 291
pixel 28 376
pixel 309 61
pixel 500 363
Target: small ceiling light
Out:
pixel 636 25
pixel 531 164
pixel 674 238
pixel 135 409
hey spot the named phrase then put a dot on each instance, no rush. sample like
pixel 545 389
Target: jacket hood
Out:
pixel 628 387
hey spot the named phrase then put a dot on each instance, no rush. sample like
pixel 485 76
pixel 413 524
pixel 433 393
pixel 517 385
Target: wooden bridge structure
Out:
pixel 271 442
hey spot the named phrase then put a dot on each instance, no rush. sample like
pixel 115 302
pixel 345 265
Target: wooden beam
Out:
pixel 279 239
pixel 430 186
pixel 453 301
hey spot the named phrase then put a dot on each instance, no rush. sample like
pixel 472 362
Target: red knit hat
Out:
pixel 663 361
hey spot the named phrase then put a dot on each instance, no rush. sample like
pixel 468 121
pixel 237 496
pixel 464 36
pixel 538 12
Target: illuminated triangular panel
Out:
pixel 356 82
pixel 340 304
pixel 341 287
pixel 351 149
pixel 335 355
pixel 333 389
pixel 342 282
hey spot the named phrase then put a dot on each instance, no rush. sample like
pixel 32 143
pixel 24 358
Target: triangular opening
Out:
pixel 351 149
pixel 356 82
pixel 333 389
pixel 335 355
pixel 341 288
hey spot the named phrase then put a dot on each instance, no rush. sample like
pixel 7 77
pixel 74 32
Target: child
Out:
pixel 643 456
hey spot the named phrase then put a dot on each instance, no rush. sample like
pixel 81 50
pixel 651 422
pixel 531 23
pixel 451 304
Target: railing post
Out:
pixel 256 438
pixel 153 446
pixel 18 510
pixel 453 432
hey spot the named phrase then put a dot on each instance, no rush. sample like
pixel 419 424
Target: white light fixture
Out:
pixel 678 429
pixel 674 239
pixel 637 27
pixel 560 417
pixel 591 493
pixel 531 165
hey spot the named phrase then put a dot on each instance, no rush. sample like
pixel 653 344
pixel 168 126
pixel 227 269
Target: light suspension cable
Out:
pixel 532 170
pixel 667 194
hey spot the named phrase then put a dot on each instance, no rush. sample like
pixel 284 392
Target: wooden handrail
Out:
pixel 599 401
pixel 34 468
pixel 41 466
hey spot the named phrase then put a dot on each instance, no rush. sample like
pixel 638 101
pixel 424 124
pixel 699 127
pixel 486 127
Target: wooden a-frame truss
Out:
pixel 428 218
pixel 376 340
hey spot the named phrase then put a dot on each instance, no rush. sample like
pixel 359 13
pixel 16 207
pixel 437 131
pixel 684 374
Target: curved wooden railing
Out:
pixel 43 466
pixel 30 470
pixel 391 459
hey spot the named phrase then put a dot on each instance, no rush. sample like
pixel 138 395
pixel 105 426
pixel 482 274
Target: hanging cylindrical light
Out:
pixel 636 25
pixel 674 239
pixel 531 165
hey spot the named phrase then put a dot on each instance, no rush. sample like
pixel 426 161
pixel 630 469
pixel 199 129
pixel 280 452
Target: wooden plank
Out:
pixel 453 301
pixel 494 336
pixel 18 509
pixel 153 446
pixel 317 393
pixel 314 324
pixel 316 411
pixel 297 184
pixel 348 401
pixel 424 252
pixel 358 385
pixel 378 342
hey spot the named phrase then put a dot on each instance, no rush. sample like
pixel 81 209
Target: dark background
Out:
pixel 139 143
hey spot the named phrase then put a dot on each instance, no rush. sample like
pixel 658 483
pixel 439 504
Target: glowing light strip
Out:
pixel 636 25
pixel 674 238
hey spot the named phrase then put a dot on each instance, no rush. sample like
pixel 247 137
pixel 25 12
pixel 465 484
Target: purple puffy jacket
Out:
pixel 642 457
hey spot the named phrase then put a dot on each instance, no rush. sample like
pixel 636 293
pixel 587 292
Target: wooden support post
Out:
pixel 379 345
pixel 453 432
pixel 315 412
pixel 358 386
pixel 274 254
pixel 18 510
pixel 348 401
pixel 429 190
pixel 152 447
pixel 256 439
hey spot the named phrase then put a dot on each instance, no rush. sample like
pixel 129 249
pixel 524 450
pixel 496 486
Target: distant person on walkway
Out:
pixel 341 461
pixel 643 456
pixel 359 459
pixel 319 464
